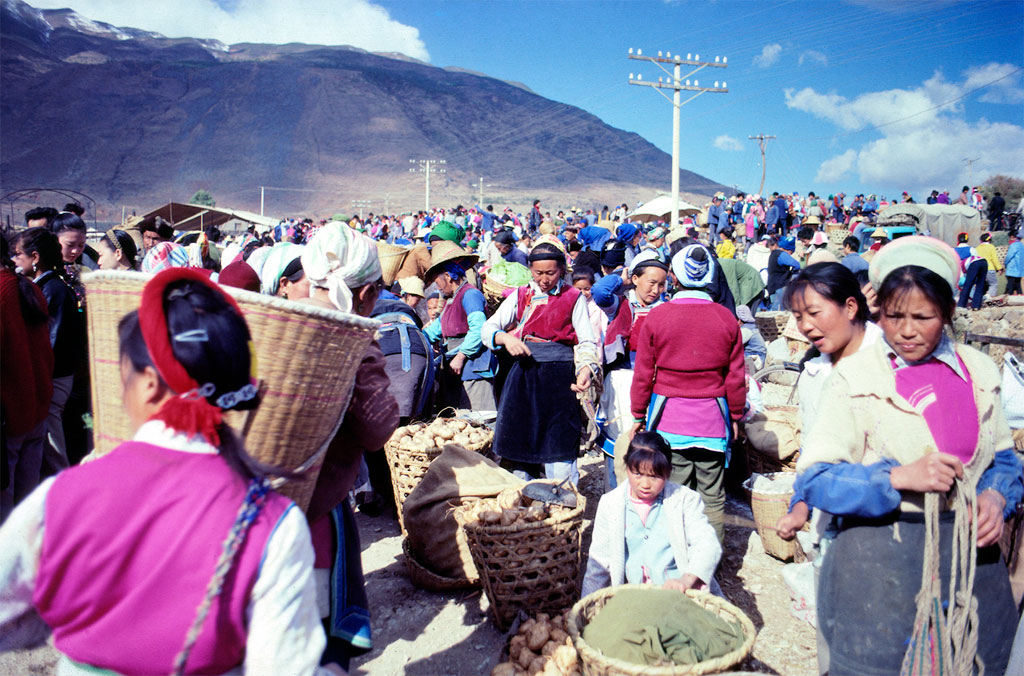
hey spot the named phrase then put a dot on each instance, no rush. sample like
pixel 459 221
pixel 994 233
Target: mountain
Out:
pixel 134 118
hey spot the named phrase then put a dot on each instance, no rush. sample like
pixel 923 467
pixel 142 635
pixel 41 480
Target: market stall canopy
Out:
pixel 660 209
pixel 199 217
pixel 942 221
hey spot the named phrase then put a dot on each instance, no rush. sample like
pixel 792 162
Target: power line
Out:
pixel 427 167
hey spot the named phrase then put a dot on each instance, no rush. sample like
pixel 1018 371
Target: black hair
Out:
pixel 214 234
pixel 293 271
pixel 962 237
pixel 806 232
pixel 162 228
pixel 574 245
pixel 40 212
pixel 191 305
pixel 678 245
pixel 74 208
pixel 67 222
pixel 773 240
pixel 583 273
pixel 833 281
pixel 902 281
pixel 545 249
pixel 649 453
pixel 40 240
pixel 30 298
pixel 249 248
pixel 124 242
pixel 727 232
pixel 852 242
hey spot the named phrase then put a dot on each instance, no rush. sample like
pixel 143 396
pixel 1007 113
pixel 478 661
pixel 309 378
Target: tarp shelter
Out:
pixel 660 209
pixel 198 217
pixel 942 221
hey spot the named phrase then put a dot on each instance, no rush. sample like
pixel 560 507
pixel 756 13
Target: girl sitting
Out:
pixel 650 530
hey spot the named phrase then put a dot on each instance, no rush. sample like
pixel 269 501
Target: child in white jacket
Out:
pixel 651 531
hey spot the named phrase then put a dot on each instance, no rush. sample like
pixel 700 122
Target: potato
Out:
pixel 504 669
pixel 538 636
pixel 537 665
pixel 508 517
pixel 536 512
pixel 557 634
pixel 543 617
pixel 525 657
pixel 558 622
pixel 508 498
pixel 490 516
pixel 516 644
pixel 549 648
pixel 461 440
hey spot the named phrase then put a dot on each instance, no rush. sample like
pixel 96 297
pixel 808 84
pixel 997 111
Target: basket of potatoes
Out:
pixel 526 552
pixel 412 448
pixel 541 647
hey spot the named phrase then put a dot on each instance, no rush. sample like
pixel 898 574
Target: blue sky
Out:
pixel 862 95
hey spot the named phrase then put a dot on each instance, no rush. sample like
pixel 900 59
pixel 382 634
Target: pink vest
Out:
pixel 551 321
pixel 130 544
pixel 454 321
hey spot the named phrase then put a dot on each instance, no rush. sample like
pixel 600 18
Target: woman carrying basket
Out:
pixel 169 554
pixel 546 328
pixel 916 460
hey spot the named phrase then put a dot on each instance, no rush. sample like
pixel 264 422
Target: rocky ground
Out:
pixel 427 633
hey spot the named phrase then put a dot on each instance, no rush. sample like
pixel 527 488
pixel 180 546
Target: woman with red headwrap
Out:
pixel 170 554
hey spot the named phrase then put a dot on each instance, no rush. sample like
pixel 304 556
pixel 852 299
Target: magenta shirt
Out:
pixel 946 401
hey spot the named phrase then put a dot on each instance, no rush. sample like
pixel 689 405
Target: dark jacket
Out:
pixel 67 334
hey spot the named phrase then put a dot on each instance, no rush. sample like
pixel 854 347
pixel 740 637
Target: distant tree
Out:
pixel 1012 189
pixel 203 198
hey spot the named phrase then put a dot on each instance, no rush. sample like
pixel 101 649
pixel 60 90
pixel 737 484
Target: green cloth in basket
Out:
pixel 510 274
pixel 659 627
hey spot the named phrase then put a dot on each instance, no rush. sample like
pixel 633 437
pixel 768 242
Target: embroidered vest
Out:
pixel 550 320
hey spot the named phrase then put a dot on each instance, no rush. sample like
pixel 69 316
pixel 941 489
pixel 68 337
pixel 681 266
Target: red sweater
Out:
pixel 27 362
pixel 690 349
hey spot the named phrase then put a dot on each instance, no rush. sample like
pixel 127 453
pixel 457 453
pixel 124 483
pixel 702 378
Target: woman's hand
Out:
pixel 582 381
pixel 638 426
pixel 990 517
pixel 457 363
pixel 934 473
pixel 688 581
pixel 789 524
pixel 515 347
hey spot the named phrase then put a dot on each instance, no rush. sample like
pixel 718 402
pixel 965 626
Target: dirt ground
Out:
pixel 424 633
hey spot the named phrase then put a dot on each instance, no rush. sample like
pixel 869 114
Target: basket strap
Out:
pixel 251 507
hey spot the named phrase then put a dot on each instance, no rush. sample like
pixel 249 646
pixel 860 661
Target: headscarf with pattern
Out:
pixel 340 259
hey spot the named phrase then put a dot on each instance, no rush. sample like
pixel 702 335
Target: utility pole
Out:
pixel 427 167
pixel 970 169
pixel 263 190
pixel 676 83
pixel 761 138
pixel 480 185
pixel 387 204
pixel 360 204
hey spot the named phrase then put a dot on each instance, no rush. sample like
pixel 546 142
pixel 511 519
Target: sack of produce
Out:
pixel 501 278
pixel 455 478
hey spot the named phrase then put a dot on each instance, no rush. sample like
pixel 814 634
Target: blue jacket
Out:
pixel 1015 260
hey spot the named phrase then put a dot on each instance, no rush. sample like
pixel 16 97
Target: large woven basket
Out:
pixel 531 566
pixel 596 664
pixel 306 360
pixel 771 323
pixel 408 466
pixel 768 508
pixel 1001 251
pixel 837 234
pixel 494 292
pixel 392 257
pixel 423 578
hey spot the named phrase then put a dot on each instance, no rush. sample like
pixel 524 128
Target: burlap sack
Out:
pixel 776 432
pixel 453 478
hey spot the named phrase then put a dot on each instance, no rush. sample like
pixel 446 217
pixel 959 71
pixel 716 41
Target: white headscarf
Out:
pixel 280 257
pixel 340 259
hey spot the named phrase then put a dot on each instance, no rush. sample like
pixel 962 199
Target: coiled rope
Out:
pixel 946 644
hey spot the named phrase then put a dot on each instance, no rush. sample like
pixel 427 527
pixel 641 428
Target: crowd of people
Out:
pixel 634 340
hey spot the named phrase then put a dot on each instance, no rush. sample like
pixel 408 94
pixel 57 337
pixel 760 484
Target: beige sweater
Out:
pixel 863 419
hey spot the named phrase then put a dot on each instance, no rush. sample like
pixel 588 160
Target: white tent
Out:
pixel 942 221
pixel 660 209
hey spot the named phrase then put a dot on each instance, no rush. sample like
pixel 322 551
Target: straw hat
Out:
pixel 879 233
pixel 411 286
pixel 443 252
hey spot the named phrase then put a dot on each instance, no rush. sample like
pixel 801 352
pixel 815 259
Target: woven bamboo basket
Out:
pixel 408 466
pixel 306 359
pixel 423 578
pixel 391 258
pixel 531 566
pixel 596 664
pixel 768 508
pixel 1001 251
pixel 836 234
pixel 771 323
pixel 494 292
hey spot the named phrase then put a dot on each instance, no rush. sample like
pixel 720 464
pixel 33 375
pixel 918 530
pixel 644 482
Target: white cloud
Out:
pixel 922 138
pixel 812 55
pixel 831 170
pixel 359 23
pixel 726 142
pixel 769 55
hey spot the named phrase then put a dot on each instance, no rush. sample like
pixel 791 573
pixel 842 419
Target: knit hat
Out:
pixel 613 254
pixel 241 276
pixel 693 266
pixel 926 252
pixel 447 252
pixel 788 243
